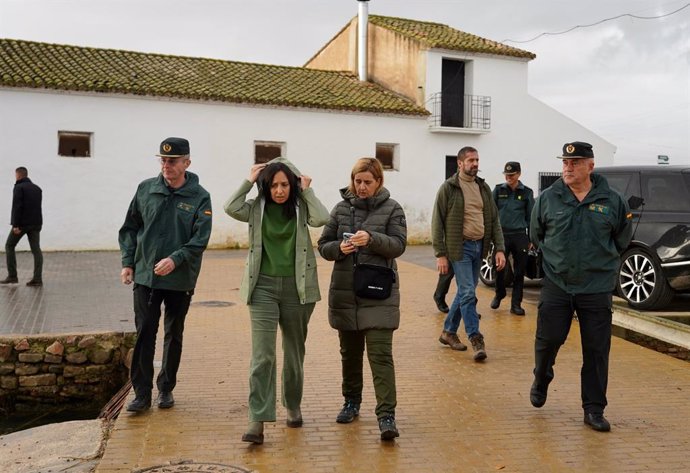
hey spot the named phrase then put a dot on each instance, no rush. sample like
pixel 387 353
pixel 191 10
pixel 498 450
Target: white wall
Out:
pixel 85 199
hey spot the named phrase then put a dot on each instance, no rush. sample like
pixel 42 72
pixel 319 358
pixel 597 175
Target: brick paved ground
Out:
pixel 453 414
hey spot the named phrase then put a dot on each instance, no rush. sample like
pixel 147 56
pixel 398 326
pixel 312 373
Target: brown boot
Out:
pixel 478 347
pixel 452 340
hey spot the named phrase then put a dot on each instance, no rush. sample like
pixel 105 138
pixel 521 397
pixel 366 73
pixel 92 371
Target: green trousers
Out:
pixel 274 303
pixel 379 345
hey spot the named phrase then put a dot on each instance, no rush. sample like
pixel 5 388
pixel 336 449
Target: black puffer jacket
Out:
pixel 384 219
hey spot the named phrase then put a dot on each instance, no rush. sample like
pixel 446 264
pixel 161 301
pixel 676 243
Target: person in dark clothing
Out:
pixel 27 219
pixel 515 202
pixel 368 227
pixel 162 240
pixel 581 226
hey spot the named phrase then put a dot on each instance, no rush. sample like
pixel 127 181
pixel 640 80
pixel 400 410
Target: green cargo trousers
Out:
pixel 274 303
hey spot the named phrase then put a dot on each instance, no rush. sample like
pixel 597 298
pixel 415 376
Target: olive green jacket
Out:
pixel 448 218
pixel 310 212
pixel 162 223
pixel 581 241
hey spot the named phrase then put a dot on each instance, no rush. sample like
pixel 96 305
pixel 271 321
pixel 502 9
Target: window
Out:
pixel 264 151
pixel 74 144
pixel 387 154
pixel 546 179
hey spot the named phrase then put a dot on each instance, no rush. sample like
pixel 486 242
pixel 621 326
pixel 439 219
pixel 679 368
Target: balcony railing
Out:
pixel 460 111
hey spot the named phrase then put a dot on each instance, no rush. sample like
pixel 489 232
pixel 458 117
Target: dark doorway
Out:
pixel 451 165
pixel 452 93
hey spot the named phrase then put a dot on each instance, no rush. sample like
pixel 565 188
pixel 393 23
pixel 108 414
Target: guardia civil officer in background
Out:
pixel 515 202
pixel 581 226
pixel 162 240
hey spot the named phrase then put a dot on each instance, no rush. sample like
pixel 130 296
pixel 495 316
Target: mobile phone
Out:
pixel 347 236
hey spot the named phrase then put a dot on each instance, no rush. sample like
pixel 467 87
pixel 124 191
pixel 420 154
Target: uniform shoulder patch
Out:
pixel 207 212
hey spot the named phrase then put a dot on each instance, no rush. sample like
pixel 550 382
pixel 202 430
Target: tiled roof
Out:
pixel 75 68
pixel 437 35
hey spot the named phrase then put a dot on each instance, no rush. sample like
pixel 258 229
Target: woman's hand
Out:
pixel 346 247
pixel 255 170
pixel 304 181
pixel 361 238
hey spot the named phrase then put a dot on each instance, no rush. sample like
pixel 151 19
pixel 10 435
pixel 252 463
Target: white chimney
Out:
pixel 362 27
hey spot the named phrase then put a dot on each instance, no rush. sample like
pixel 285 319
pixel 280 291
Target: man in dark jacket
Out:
pixel 514 201
pixel 166 230
pixel 464 224
pixel 581 226
pixel 27 219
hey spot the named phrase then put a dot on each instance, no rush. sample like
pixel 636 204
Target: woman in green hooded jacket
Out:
pixel 280 284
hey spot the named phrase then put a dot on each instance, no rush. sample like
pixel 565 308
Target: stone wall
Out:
pixel 62 369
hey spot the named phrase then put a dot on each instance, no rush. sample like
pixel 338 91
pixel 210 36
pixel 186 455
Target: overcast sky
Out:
pixel 627 80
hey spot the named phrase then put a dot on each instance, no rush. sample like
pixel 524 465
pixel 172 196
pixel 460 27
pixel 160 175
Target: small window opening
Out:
pixel 73 144
pixel 264 151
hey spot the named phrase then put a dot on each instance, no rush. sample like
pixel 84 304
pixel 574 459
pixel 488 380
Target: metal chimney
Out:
pixel 362 28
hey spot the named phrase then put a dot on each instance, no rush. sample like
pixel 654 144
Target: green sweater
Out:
pixel 448 215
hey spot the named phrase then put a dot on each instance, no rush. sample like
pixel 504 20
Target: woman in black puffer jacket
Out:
pixel 380 236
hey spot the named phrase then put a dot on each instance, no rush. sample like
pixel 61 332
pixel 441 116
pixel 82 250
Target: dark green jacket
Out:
pixel 514 207
pixel 161 223
pixel 581 241
pixel 448 218
pixel 384 219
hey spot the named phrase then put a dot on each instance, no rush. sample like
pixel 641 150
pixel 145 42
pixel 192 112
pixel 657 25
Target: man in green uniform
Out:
pixel 514 201
pixel 581 226
pixel 162 240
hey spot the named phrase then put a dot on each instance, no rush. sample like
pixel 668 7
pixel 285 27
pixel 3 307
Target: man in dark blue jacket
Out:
pixel 581 226
pixel 27 219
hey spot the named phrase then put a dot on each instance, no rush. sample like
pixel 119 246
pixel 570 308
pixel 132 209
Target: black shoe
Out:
pixel 496 302
pixel 348 413
pixel 597 421
pixel 441 305
pixel 517 310
pixel 537 396
pixel 139 404
pixel 388 428
pixel 165 400
pixel 35 283
pixel 9 280
pixel 294 418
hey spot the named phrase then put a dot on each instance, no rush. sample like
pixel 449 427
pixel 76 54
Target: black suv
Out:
pixel 657 262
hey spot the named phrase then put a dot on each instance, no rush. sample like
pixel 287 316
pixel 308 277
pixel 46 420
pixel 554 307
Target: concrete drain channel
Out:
pixel 192 467
pixel 213 304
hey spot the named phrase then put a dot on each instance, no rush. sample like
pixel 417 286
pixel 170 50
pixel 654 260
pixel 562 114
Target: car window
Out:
pixel 625 183
pixel 668 192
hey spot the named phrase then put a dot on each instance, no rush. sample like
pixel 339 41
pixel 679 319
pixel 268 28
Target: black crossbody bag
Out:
pixel 370 281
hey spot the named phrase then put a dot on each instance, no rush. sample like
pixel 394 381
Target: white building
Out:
pixel 87 122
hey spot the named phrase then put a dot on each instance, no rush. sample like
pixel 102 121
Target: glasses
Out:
pixel 170 161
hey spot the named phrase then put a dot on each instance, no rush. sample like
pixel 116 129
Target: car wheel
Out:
pixel 641 281
pixel 487 273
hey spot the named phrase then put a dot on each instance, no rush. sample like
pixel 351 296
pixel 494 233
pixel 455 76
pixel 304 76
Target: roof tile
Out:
pixel 75 68
pixel 437 35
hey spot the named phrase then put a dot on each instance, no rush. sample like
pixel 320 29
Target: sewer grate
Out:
pixel 213 303
pixel 192 467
